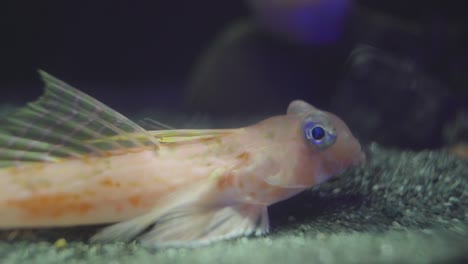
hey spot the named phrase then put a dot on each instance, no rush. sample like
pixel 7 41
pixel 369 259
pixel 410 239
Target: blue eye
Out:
pixel 318 135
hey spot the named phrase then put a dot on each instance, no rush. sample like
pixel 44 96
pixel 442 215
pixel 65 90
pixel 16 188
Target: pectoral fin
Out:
pixel 189 226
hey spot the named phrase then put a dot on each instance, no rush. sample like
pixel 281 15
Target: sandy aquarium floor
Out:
pixel 401 207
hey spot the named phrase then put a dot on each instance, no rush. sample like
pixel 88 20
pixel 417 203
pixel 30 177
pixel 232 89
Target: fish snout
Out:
pixel 352 151
pixel 360 158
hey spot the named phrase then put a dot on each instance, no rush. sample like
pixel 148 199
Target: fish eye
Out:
pixel 317 134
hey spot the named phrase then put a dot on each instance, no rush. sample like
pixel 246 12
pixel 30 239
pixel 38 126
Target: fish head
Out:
pixel 325 146
pixel 292 152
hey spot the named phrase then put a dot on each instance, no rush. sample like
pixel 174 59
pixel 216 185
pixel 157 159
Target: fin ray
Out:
pixel 65 122
pixel 194 226
pixel 189 225
pixel 151 124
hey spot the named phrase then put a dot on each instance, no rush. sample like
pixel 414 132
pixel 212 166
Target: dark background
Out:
pixel 111 44
pixel 140 52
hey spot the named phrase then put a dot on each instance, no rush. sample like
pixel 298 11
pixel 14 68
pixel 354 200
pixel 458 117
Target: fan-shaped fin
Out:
pixel 65 122
pixel 190 225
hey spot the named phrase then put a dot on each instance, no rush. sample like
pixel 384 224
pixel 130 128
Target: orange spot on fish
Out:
pixel 135 200
pixel 56 205
pixel 109 183
pixel 227 180
pixel 208 139
pixel 244 156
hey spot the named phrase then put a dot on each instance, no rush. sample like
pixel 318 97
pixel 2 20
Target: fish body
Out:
pixel 68 160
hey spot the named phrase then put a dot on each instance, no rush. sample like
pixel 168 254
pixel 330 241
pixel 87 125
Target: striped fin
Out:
pixel 64 122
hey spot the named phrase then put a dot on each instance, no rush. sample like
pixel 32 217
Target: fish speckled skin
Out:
pixel 69 160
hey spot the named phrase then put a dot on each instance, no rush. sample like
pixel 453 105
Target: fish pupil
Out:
pixel 318 133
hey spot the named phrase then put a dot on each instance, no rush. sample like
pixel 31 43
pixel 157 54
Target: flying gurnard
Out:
pixel 67 159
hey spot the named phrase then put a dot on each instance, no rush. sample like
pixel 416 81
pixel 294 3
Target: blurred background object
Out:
pixel 389 99
pixel 283 51
pixel 302 21
pixel 247 70
pixel 133 54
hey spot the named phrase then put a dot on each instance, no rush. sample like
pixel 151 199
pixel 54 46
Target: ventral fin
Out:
pixel 65 122
pixel 191 226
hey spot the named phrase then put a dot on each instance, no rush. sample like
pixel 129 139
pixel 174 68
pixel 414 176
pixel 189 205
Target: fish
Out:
pixel 67 159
